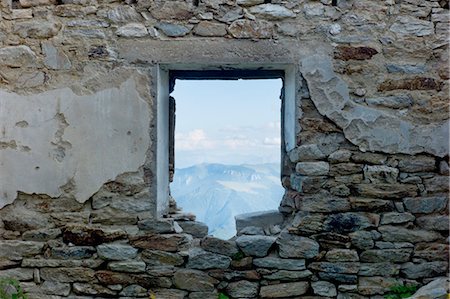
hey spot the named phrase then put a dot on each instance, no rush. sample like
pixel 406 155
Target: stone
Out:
pixel 194 228
pixel 249 2
pixel 127 266
pixel 272 11
pixel 36 29
pixel 169 242
pixel 339 277
pixel 201 259
pixel 157 226
pixel 219 246
pixel 323 203
pixel 416 83
pixel 57 263
pixel 90 235
pixel 284 290
pixel 33 79
pixel 122 14
pixel 371 204
pixel 314 10
pixel 394 102
pixel 17 250
pixel 435 289
pixel 284 275
pixel 242 289
pixel 408 25
pixel 386 255
pixel 118 252
pixel 168 293
pixel 337 267
pixel 6 263
pixel 172 10
pixel 444 168
pixel 324 288
pixel 386 190
pixel 17 56
pixel 55 59
pixel 193 280
pixel 258 219
pixel 72 252
pixel 437 184
pixel 55 288
pixel 92 289
pixel 425 269
pixel 134 290
pixel 354 53
pixel 335 29
pixel 376 285
pixel 345 169
pixel 203 295
pixel 174 30
pixel 132 30
pixel 340 156
pixel 340 190
pixel 432 251
pixel 246 29
pixel 161 258
pixel 416 164
pixel 393 245
pixel 87 23
pixel 207 28
pixel 380 174
pixel 251 230
pixel 400 234
pixel 351 221
pixel 71 10
pixel 426 205
pixel 75 274
pixel 434 222
pixel 255 245
pixel 312 168
pixel 23 274
pixel 342 255
pixel 41 234
pixel 306 152
pixel 271 262
pixel 292 246
pixel 243 263
pixel 386 269
pixel 396 218
pixel 406 68
pixel 362 239
pixel 21 14
pixel 368 158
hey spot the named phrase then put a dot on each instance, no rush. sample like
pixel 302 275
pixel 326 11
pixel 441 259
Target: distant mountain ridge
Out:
pixel 215 193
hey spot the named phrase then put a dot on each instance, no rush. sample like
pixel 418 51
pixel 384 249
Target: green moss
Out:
pixel 223 296
pixel 401 291
pixel 8 284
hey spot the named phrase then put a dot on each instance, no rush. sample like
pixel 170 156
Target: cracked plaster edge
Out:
pixel 330 95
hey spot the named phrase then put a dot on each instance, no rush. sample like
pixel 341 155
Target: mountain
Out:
pixel 215 193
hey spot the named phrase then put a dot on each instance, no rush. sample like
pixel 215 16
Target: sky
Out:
pixel 227 121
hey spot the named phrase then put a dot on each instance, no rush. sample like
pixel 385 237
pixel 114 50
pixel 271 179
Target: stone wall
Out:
pixel 366 203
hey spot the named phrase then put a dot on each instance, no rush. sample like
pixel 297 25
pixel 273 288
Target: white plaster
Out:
pixel 99 137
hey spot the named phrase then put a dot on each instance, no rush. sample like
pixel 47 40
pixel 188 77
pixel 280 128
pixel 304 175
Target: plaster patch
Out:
pixel 88 140
pixel 370 129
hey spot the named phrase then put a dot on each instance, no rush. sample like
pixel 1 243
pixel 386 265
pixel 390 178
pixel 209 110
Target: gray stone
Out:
pixel 434 222
pixel 379 269
pixel 157 226
pixel 340 156
pixel 203 295
pixel 337 267
pixel 437 184
pixel 55 59
pixel 243 289
pixel 134 290
pixel 272 11
pixel 340 190
pixel 351 221
pixel 36 29
pixel 21 274
pixel 386 255
pixel 168 293
pixel 92 289
pixel 118 252
pixel 342 255
pixel 85 33
pixel 380 174
pixel 193 280
pixel 393 245
pixel 435 289
pixel 72 252
pixel 408 25
pixel 161 258
pixel 339 277
pixel 324 288
pixel 395 102
pixel 249 2
pixel 127 266
pixel 86 23
pixel 432 251
pixel 406 68
pixel 16 250
pixel 308 222
pixel 323 202
pixel 132 30
pixel 123 14
pixel 207 28
pixel 371 204
pixel 243 29
pixel 444 168
pixel 279 263
pixel 396 218
pixel 422 270
pixel 255 245
pixel 251 230
pixel 369 158
pixel 220 246
pixel 285 275
pixel 416 164
pixel 201 259
pixel 174 30
pixel 284 290
pixel 296 246
pixel 75 274
pixel 345 169
pixel 388 191
pixel 41 234
pixel 362 239
pixel 306 152
pixel 376 285
pixel 314 10
pixel 312 168
pixel 426 205
pixel 17 56
pixel 55 288
pixel 258 219
pixel 33 79
pixel 194 228
pixel 53 263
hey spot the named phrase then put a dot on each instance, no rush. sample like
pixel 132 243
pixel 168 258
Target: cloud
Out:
pixel 272 141
pixel 193 140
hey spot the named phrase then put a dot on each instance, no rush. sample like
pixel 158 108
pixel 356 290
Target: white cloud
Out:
pixel 272 141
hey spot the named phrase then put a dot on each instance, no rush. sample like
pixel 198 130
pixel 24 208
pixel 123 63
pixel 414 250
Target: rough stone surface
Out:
pixel 116 252
pixel 200 259
pixel 296 246
pixel 280 263
pixel 255 245
pixel 193 280
pixel 284 290
pixel 324 288
pixel 242 289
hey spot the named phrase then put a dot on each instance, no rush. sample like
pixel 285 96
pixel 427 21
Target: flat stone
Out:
pixel 426 269
pixel 340 156
pixel 416 83
pixel 272 11
pixel 41 234
pixel 368 158
pixel 345 169
pixel 54 263
pixel 395 102
pixel 342 255
pixel 73 10
pixel 313 10
pixel 249 2
pixel 258 219
pixel 172 10
pixel 416 164
pixel 87 23
pixel 324 203
pixel 33 79
pixel 255 245
pixel 380 174
pixel 354 53
pixel 203 295
pixel 396 218
pixel 371 204
pixel 306 152
pixel 92 289
pixel 284 290
pixel 437 184
pixel 72 252
pixel 55 288
pixel 245 29
pixel 296 246
pixel 426 205
pixel 280 263
pixel 434 222
pixel 401 234
pixel 362 239
pixel 36 29
pixel 432 251
pixel 132 30
pixel 393 245
pixel 161 258
pixel 169 242
pixel 201 259
pixel 438 288
pixel 127 266
pixel 308 222
pixel 408 25
pixel 324 288
pixel 6 263
pixel 284 275
pixel 336 267
pixel 207 28
pixel 193 280
pixel 220 246
pixel 90 235
pixel 243 289
pixel 350 222
pixel 339 277
pixel 157 226
pixel 312 168
pixel 21 274
pixel 243 263
pixel 21 14
pixel 174 30
pixel 376 285
pixel 194 228
pixel 444 169
pixel 251 230
pixel 122 14
pixel 168 293
pixel 386 269
pixel 76 274
pixel 17 56
pixel 17 250
pixel 406 68
pixel 118 252
pixel 386 190
pixel 134 290
pixel 386 255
